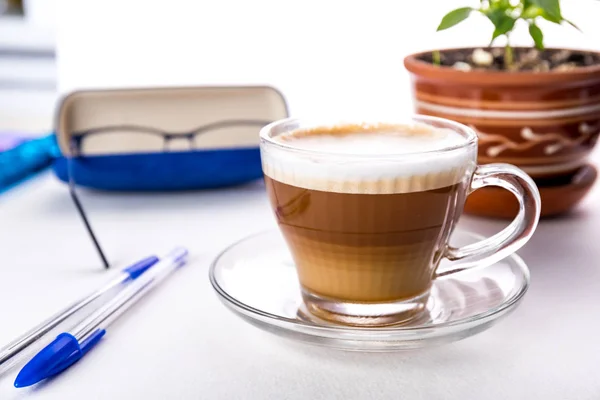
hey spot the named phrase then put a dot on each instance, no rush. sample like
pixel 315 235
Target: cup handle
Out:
pixel 510 239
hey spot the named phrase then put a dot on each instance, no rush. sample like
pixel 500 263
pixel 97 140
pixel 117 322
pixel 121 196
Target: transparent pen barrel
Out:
pixel 129 295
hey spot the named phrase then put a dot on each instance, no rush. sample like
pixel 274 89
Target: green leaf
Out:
pixel 572 24
pixel 495 15
pixel 551 9
pixel 537 36
pixel 504 25
pixel 503 22
pixel 532 12
pixel 503 4
pixel 550 18
pixel 454 17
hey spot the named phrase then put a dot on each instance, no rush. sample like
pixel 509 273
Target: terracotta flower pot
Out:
pixel 547 123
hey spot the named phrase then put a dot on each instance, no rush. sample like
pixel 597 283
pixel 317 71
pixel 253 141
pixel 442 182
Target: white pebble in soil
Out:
pixel 461 66
pixel 543 66
pixel 565 67
pixel 482 58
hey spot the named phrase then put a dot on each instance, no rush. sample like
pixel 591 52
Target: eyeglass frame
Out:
pixel 75 144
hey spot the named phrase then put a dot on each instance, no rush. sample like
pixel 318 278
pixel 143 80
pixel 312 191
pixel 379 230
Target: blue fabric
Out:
pixel 200 169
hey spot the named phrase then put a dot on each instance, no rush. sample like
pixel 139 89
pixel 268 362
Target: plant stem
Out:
pixel 437 59
pixel 508 55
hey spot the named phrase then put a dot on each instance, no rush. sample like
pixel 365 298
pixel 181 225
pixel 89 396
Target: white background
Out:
pixel 327 56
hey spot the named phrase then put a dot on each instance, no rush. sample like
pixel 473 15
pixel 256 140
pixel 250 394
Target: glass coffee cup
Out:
pixel 367 210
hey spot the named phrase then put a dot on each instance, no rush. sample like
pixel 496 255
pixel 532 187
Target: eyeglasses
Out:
pixel 131 139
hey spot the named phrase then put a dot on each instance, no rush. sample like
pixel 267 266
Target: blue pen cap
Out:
pixel 60 354
pixel 140 267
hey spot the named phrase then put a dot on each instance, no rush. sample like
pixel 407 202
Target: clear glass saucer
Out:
pixel 256 279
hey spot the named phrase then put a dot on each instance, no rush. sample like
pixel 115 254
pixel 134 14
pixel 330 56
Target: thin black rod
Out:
pixel 81 210
pixel 88 227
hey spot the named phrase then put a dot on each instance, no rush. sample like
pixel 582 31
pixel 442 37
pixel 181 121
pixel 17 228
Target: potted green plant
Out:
pixel 535 107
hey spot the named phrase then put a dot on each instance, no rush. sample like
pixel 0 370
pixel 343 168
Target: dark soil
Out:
pixel 524 59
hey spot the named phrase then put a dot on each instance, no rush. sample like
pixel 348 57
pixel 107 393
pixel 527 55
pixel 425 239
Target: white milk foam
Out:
pixel 339 171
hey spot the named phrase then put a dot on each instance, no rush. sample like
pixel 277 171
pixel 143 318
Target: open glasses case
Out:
pixel 164 138
pixel 159 139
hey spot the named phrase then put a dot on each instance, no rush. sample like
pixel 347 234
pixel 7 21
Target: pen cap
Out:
pixel 63 352
pixel 140 267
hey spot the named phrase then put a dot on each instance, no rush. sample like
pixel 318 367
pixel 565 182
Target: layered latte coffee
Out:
pixel 367 228
pixel 368 209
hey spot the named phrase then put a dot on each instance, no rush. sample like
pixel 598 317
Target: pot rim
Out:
pixel 427 70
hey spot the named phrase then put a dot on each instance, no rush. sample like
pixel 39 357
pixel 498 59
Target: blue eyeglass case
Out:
pixel 160 139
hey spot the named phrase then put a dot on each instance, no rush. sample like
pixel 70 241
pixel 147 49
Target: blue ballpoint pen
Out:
pixel 8 354
pixel 71 346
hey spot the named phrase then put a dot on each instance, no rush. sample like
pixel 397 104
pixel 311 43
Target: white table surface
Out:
pixel 180 342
